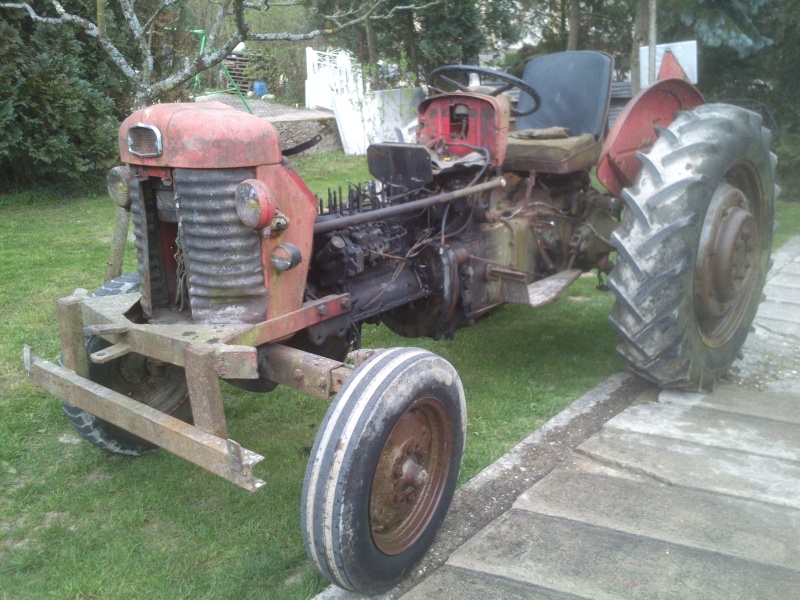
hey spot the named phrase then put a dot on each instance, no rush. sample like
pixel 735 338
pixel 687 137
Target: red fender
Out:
pixel 635 129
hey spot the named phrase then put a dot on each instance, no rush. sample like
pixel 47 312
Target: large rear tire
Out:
pixel 693 250
pixel 383 469
pixel 156 384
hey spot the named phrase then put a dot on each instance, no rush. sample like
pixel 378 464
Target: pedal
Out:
pixel 546 290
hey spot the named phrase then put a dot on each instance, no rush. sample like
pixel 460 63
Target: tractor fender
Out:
pixel 635 130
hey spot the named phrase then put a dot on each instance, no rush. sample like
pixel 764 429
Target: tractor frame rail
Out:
pixel 208 352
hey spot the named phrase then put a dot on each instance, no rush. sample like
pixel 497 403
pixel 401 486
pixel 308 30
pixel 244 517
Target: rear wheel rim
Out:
pixel 727 267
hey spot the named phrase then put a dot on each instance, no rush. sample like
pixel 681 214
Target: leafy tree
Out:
pixel 452 34
pixel 55 117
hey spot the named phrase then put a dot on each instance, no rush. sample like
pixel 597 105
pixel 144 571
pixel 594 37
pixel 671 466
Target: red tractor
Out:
pixel 245 276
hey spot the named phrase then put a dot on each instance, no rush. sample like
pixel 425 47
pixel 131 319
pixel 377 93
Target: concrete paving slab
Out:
pixel 785 280
pixel 783 294
pixel 778 326
pixel 787 253
pixel 754 531
pixel 767 405
pixel 700 467
pixel 452 582
pixel 792 267
pixel 713 427
pixel 599 563
pixel 779 312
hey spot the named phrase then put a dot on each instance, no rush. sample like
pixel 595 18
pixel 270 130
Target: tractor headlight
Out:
pixel 285 257
pixel 255 203
pixel 118 181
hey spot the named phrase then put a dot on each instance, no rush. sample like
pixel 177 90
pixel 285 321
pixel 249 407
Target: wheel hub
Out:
pixel 410 476
pixel 149 381
pixel 727 263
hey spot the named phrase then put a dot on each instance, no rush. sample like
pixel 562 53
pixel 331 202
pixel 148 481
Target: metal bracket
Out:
pixel 223 457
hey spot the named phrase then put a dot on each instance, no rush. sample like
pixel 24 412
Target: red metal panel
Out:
pixel 634 130
pixel 486 126
pixel 204 135
pixel 296 202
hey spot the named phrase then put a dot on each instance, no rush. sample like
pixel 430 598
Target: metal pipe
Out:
pixel 651 75
pixel 398 209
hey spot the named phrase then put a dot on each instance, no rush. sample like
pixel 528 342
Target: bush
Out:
pixel 56 123
pixel 787 146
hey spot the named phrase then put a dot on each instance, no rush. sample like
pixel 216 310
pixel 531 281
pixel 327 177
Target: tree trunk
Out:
pixel 372 50
pixel 411 48
pixel 640 36
pixel 574 24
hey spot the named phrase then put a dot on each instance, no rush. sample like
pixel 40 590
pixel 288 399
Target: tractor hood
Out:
pixel 205 135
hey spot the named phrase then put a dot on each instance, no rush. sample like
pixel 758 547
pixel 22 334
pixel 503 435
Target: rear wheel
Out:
pixel 383 469
pixel 157 384
pixel 693 251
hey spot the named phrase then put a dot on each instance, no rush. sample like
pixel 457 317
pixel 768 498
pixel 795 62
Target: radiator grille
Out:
pixel 148 259
pixel 223 256
pixel 144 140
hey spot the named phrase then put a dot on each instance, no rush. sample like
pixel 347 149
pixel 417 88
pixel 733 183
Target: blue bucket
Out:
pixel 259 89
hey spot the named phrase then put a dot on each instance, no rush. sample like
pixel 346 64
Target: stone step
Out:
pixel 594 562
pixel 687 464
pixel 712 427
pixel 775 311
pixel 792 267
pixel 753 531
pixel 452 582
pixel 784 294
pixel 778 327
pixel 783 280
pixel 768 405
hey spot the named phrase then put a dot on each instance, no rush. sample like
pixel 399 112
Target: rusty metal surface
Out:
pixel 546 290
pixel 205 394
pixel 634 130
pixel 207 135
pixel 143 232
pixel 399 209
pixel 410 476
pixel 223 255
pixel 727 266
pixel 220 456
pixel 70 325
pixel 299 209
pixel 309 373
pixel 488 125
pixel 285 325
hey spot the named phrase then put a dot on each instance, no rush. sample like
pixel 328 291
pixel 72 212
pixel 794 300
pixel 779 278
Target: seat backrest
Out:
pixel 575 88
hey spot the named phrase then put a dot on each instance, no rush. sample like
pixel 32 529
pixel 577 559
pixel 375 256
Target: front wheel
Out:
pixel 693 250
pixel 160 385
pixel 383 469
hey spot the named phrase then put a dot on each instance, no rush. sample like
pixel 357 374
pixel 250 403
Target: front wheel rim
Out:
pixel 410 476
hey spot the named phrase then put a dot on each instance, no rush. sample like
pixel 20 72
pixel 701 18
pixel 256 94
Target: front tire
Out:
pixel 693 250
pixel 160 385
pixel 383 469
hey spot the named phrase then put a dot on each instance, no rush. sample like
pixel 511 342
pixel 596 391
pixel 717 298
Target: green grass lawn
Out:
pixel 78 523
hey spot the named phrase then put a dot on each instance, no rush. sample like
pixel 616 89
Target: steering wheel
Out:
pixel 440 76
